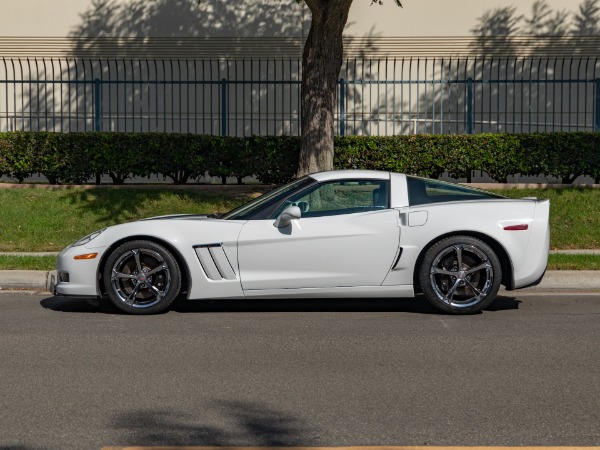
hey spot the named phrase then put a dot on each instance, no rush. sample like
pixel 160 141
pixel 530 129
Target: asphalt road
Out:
pixel 299 373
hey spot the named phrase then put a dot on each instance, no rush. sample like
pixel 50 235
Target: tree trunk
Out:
pixel 321 63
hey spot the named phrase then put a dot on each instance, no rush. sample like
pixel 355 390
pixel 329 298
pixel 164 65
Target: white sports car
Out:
pixel 330 234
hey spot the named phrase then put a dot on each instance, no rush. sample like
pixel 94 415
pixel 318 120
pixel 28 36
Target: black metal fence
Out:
pixel 246 97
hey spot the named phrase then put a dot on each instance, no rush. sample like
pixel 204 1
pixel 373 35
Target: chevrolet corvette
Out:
pixel 331 234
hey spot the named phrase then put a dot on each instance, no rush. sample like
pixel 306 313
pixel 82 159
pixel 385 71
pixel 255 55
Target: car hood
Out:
pixel 182 231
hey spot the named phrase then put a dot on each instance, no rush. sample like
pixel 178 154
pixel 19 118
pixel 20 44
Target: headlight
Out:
pixel 88 238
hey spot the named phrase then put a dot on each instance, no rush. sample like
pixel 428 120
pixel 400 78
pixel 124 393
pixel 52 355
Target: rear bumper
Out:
pixel 533 267
pixel 535 283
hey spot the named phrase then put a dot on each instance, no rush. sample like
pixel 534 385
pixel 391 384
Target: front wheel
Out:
pixel 141 277
pixel 460 275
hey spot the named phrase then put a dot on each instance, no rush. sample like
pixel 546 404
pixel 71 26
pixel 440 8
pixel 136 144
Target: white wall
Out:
pixel 417 18
pixel 431 17
pixel 40 17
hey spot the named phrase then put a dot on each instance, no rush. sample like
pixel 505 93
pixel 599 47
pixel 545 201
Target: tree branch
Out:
pixel 380 2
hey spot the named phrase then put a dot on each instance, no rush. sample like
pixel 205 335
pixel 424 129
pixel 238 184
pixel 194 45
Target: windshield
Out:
pixel 261 207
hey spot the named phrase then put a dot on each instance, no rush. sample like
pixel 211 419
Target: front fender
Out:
pixel 187 237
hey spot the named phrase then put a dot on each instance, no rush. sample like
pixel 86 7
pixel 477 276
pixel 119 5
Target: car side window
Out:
pixel 340 197
pixel 422 191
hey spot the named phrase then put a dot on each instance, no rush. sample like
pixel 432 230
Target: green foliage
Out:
pixel 50 219
pixel 561 155
pixel 80 157
pixel 274 158
pixel 574 215
pixel 12 262
pixel 573 262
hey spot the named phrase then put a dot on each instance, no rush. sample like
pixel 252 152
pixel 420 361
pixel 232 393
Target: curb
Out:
pixel 554 279
pixel 25 279
pixel 569 279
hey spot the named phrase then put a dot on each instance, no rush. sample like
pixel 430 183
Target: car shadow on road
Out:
pixel 78 305
pixel 242 422
pixel 417 305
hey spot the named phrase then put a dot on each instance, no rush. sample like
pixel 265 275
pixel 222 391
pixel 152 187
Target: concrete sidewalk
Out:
pixel 39 280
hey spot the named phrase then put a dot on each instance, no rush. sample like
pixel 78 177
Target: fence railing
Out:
pixel 246 97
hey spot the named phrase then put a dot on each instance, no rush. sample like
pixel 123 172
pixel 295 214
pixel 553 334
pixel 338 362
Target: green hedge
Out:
pixel 565 156
pixel 81 157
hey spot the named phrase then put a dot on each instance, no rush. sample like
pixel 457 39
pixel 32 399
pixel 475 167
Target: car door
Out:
pixel 347 236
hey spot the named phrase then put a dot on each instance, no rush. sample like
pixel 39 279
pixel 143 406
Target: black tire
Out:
pixel 142 277
pixel 460 275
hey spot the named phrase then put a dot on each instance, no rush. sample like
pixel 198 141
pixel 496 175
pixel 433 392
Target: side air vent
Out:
pixel 395 266
pixel 214 262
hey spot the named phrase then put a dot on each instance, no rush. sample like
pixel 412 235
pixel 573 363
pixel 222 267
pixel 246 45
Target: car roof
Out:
pixel 350 174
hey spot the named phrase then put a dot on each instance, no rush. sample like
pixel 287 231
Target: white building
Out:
pixel 60 18
pixel 233 68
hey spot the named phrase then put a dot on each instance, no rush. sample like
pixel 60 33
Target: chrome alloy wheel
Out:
pixel 140 278
pixel 461 275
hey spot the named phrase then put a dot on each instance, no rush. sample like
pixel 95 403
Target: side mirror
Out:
pixel 287 215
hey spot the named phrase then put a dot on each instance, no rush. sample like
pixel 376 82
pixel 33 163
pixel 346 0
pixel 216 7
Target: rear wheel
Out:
pixel 142 277
pixel 460 275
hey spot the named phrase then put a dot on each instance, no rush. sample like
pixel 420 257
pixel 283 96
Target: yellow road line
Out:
pixel 355 448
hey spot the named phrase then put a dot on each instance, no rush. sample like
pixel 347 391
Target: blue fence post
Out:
pixel 223 107
pixel 97 105
pixel 470 106
pixel 342 107
pixel 597 104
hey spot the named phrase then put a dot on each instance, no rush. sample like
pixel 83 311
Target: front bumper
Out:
pixel 77 277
